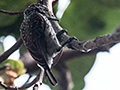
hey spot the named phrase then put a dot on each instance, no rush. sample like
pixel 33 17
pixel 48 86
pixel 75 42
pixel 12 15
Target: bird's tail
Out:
pixel 51 77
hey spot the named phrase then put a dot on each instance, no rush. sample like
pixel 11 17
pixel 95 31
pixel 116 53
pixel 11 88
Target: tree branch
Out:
pixel 7 53
pixel 81 49
pixel 11 13
pixel 64 77
pixel 27 85
pixel 84 46
pixel 8 88
pixel 39 82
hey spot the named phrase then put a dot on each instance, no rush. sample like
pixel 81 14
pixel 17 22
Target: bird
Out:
pixel 40 38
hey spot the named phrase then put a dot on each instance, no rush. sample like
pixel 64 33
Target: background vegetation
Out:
pixel 85 19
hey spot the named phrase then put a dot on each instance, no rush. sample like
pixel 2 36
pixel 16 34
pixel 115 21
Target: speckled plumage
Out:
pixel 39 37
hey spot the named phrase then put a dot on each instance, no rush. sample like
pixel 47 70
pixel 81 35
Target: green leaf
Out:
pixel 87 19
pixel 15 65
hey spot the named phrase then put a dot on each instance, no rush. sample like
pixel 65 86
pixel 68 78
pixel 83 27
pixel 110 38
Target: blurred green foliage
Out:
pixel 85 19
pixel 11 24
pixel 15 65
pixel 12 5
pixel 89 19
pixel 79 68
pixel 14 70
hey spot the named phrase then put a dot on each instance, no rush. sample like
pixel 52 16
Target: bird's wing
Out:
pixel 32 33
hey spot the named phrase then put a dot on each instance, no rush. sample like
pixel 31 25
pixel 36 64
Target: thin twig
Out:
pixel 39 82
pixel 27 81
pixel 7 53
pixel 65 79
pixel 27 85
pixel 11 13
pixel 3 85
pixel 8 88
